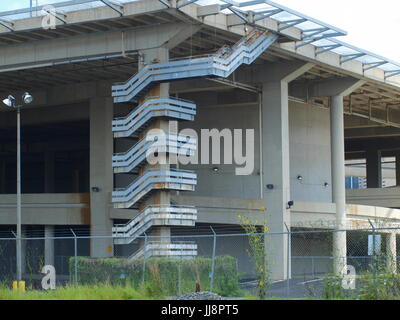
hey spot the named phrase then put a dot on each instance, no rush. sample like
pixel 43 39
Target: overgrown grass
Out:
pixel 100 292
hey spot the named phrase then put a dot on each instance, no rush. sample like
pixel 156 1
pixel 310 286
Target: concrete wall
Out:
pixel 310 153
pixel 225 183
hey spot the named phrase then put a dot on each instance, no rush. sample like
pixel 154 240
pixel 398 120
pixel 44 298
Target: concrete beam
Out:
pixel 370 133
pixel 326 88
pixel 93 44
pixel 353 121
pixel 93 14
pixel 46 209
pixel 286 72
pixel 361 145
pixel 335 87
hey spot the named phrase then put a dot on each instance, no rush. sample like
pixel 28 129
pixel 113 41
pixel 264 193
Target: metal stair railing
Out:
pixel 181 249
pixel 216 65
pixel 154 216
pixel 153 107
pixel 127 161
pixel 182 180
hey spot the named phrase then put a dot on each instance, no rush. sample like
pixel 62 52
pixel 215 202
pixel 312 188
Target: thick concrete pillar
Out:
pixel 374 168
pixel 3 176
pixel 49 245
pixel 76 181
pixel 275 136
pixel 338 182
pixel 162 90
pixel 397 155
pixel 101 175
pixel 391 252
pixel 49 172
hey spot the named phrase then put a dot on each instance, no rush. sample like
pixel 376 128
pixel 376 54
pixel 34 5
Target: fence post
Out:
pixel 313 267
pixel 144 258
pixel 288 273
pixel 213 260
pixel 373 247
pixel 374 253
pixel 75 257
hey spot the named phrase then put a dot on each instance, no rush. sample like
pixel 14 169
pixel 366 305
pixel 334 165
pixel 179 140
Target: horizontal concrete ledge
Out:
pixel 46 199
pixel 385 197
pixel 314 207
pixel 74 209
pixel 372 212
pixel 47 209
pixel 223 203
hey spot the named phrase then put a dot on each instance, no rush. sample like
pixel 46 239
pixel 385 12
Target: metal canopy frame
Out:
pixel 252 11
pixel 314 32
pixel 349 52
pixel 69 5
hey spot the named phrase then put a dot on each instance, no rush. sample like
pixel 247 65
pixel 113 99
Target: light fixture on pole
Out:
pixel 27 98
pixel 9 101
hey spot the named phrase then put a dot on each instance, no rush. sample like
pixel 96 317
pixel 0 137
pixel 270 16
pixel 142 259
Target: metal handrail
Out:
pixel 190 68
pixel 171 206
pixel 156 100
pixel 141 149
pixel 175 179
pixel 149 217
pixel 149 171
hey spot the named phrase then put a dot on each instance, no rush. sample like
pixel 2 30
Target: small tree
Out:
pixel 257 253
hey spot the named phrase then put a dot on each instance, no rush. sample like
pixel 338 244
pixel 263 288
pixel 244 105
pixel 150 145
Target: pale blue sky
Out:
pixel 371 24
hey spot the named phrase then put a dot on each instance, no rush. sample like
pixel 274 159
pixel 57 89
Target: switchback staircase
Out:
pixel 221 64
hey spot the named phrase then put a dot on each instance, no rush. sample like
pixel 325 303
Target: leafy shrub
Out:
pixel 333 289
pixel 381 286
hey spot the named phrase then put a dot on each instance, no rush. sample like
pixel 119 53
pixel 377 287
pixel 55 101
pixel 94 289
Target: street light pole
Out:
pixel 19 220
pixel 10 102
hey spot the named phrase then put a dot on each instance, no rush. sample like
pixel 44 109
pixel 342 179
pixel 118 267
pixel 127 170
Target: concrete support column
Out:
pixel 76 180
pixel 374 168
pixel 397 155
pixel 49 245
pixel 338 182
pixel 101 175
pixel 391 252
pixel 49 172
pixel 276 163
pixel 3 176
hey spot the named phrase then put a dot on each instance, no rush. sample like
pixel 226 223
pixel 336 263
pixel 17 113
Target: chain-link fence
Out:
pixel 298 262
